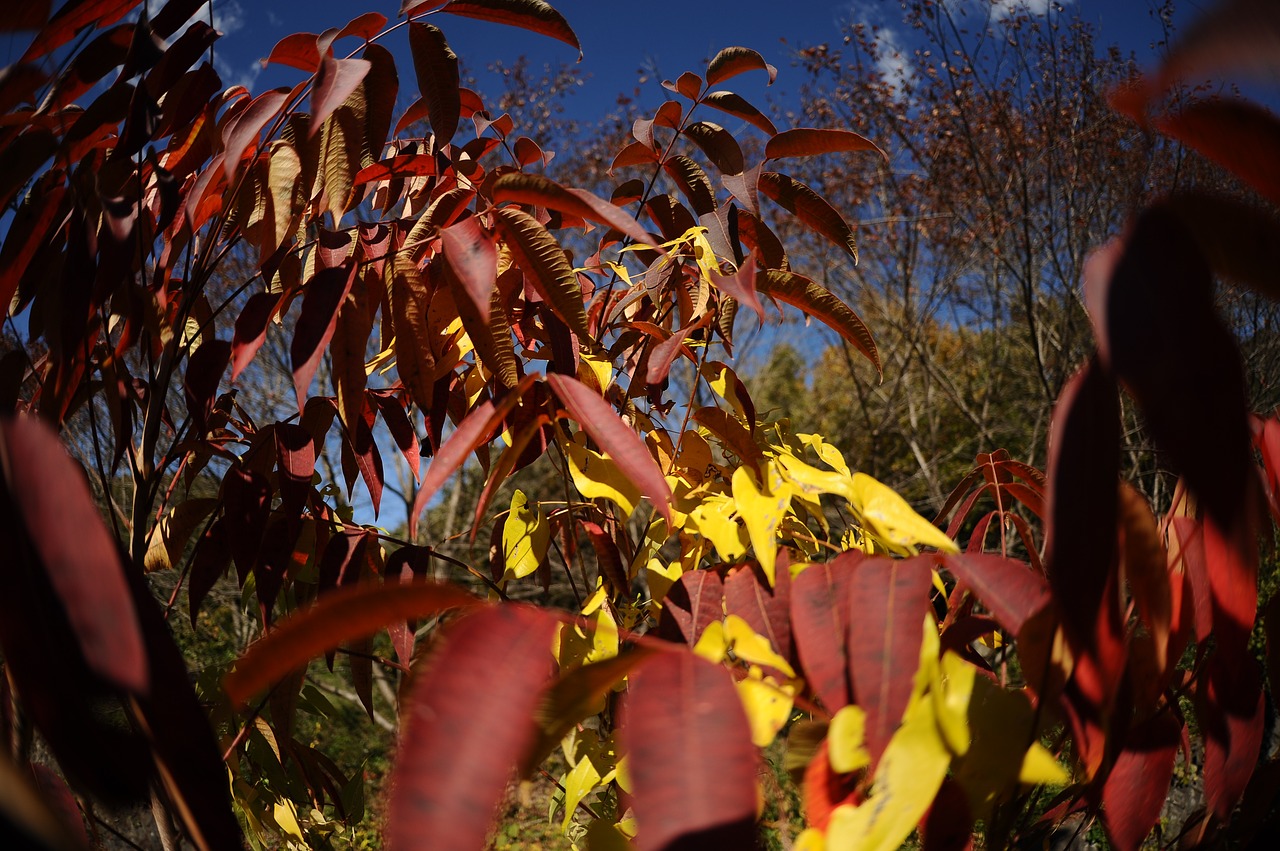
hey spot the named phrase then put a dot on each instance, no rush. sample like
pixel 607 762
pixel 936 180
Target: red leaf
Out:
pixel 251 330
pixel 437 67
pixel 718 144
pixel 204 372
pixel 891 597
pixel 742 285
pixel 345 615
pixel 738 107
pixel 608 559
pixel 766 610
pixel 324 294
pixel 470 720
pixel 949 824
pixel 364 26
pixel 473 255
pixel 539 191
pixel 1010 590
pixel 243 131
pixel 1231 715
pixel 296 461
pixel 1146 567
pixel 73 17
pixel 814 211
pixel 29 16
pixel 404 165
pixel 66 536
pixel 335 81
pixel 736 60
pixel 815 300
pixel 821 598
pixel 689 750
pixel 475 430
pixel 406 439
pixel 694 601
pixel 1236 134
pixel 533 15
pixel 809 142
pixel 1237 35
pixel 598 419
pixel 1138 784
pixel 298 50
pixel 693 183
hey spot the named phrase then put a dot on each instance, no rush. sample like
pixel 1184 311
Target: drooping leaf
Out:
pixel 542 259
pixel 242 132
pixel 345 615
pixel 892 597
pixel 56 522
pixel 762 505
pixel 469 723
pixel 892 519
pixel 251 330
pixel 534 189
pixel 598 419
pixel 814 211
pixel 323 296
pixel 693 183
pixel 437 68
pixel 71 18
pixel 204 373
pixel 1138 784
pixel 820 616
pixel 810 141
pixel 336 80
pixel 410 301
pixel 739 107
pixel 732 61
pixel 1146 567
pixel 718 144
pixel 526 535
pixel 472 255
pixel 690 757
pixel 533 15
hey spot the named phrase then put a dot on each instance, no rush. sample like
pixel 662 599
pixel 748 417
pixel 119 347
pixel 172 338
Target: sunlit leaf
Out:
pixel 893 520
pixel 533 15
pixel 817 301
pixel 814 211
pixel 732 61
pixel 542 259
pixel 809 141
pixel 526 535
pixel 437 67
pixel 761 505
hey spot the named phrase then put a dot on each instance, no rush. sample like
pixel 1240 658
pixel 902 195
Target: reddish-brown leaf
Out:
pixel 766 610
pixel 1138 784
pixel 718 144
pixel 470 720
pixel 1080 541
pixel 323 296
pixel 693 602
pixel 814 211
pixel 1235 35
pixel 889 599
pixel 437 67
pixel 297 50
pixel 533 15
pixel 473 256
pixel 475 430
pixel 742 285
pixel 404 165
pixel 690 756
pixel 608 559
pixel 1010 590
pixel 73 17
pixel 67 538
pixel 732 61
pixel 598 419
pixel 242 132
pixel 1236 134
pixel 809 142
pixel 815 300
pixel 1230 710
pixel 693 183
pixel 398 423
pixel 251 330
pixel 542 259
pixel 536 190
pixel 739 107
pixel 200 383
pixel 336 80
pixel 820 611
pixel 1146 566
pixel 344 615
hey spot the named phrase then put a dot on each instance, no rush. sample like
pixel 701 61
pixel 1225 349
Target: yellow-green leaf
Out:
pixel 761 509
pixel 526 534
pixel 751 647
pixel 846 740
pixel 767 705
pixel 891 519
pixel 598 477
pixel 713 518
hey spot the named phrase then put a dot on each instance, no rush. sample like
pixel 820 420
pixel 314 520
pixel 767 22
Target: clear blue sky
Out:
pixel 618 40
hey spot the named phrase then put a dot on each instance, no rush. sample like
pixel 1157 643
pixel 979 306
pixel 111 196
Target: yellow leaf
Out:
pixel 767 704
pixel 578 784
pixel 751 647
pixel 526 534
pixel 726 384
pixel 891 519
pixel 910 772
pixel 810 839
pixel 951 696
pixel 660 579
pixel 846 743
pixel 598 477
pixel 828 453
pixel 811 480
pixel 287 820
pixel 1039 767
pixel 713 518
pixel 712 644
pixel 761 509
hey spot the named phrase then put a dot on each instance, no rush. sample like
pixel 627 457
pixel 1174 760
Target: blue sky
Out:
pixel 619 41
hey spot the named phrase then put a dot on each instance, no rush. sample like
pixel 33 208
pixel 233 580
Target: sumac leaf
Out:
pixel 815 300
pixel 814 211
pixel 808 142
pixel 437 68
pixel 542 259
pixel 336 80
pixel 739 107
pixel 694 601
pixel 598 419
pixel 533 15
pixel 536 190
pixel 469 721
pixel 733 61
pixel 323 295
pixel 690 756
